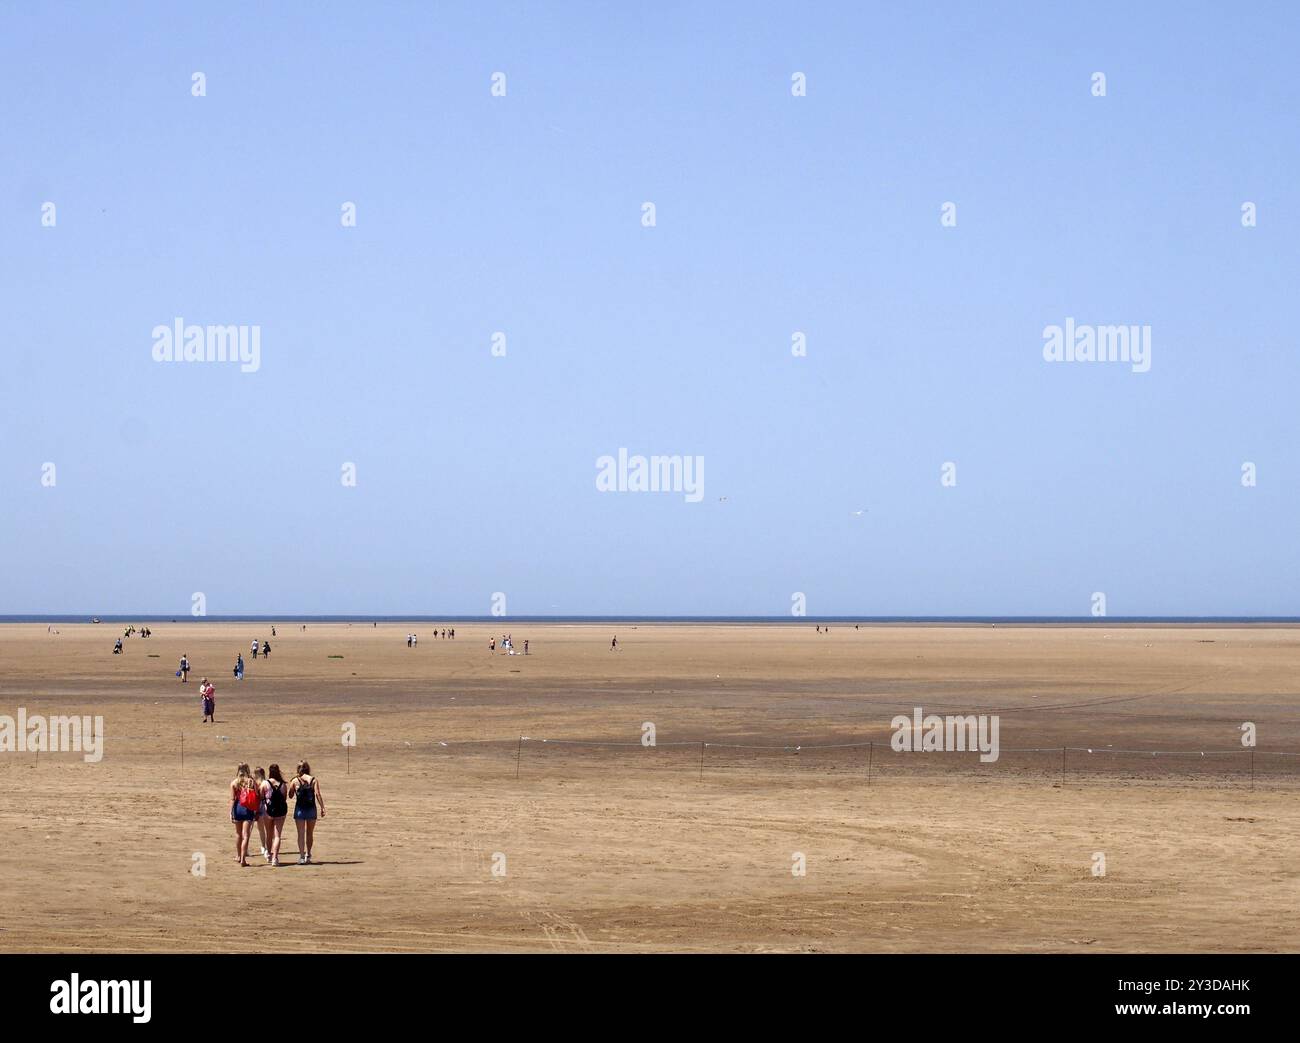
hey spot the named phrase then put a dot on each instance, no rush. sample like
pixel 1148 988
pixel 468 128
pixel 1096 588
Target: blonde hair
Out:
pixel 243 777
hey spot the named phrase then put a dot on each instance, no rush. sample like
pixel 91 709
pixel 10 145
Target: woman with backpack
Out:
pixel 244 802
pixel 305 787
pixel 277 807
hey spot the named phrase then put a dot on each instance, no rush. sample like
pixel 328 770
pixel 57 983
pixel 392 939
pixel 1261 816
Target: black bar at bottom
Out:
pixel 333 992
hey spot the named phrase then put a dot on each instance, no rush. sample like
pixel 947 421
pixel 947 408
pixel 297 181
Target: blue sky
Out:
pixel 775 214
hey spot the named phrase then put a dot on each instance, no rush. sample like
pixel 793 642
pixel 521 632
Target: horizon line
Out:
pixel 69 617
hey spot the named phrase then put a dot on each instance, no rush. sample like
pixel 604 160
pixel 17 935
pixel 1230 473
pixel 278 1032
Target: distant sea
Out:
pixel 1099 621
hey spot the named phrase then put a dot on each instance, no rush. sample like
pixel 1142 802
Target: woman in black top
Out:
pixel 277 807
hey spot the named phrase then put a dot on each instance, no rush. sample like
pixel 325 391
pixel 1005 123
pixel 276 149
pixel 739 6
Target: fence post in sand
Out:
pixel 1252 769
pixel 349 749
pixel 871 749
pixel 1062 765
pixel 182 753
pixel 702 760
pixel 518 753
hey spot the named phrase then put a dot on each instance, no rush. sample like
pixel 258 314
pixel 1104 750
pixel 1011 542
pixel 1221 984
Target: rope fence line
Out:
pixel 320 741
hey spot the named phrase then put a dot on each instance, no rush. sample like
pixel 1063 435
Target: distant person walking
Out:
pixel 244 801
pixel 239 666
pixel 253 648
pixel 308 798
pixel 525 646
pixel 209 696
pixel 117 648
pixel 613 645
pixel 266 649
pixel 184 672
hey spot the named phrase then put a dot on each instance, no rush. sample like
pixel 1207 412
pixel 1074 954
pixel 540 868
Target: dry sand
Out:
pixel 623 848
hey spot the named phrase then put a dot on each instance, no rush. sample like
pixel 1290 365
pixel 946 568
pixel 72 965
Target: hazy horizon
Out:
pixel 453 618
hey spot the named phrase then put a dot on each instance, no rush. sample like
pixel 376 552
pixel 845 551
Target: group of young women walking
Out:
pixel 263 797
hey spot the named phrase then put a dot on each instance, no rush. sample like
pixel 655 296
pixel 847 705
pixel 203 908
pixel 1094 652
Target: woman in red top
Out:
pixel 244 802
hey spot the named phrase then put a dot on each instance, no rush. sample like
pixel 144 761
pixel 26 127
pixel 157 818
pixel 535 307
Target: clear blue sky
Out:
pixel 476 474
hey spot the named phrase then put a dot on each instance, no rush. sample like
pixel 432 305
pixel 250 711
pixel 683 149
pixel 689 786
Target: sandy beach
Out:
pixel 773 742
